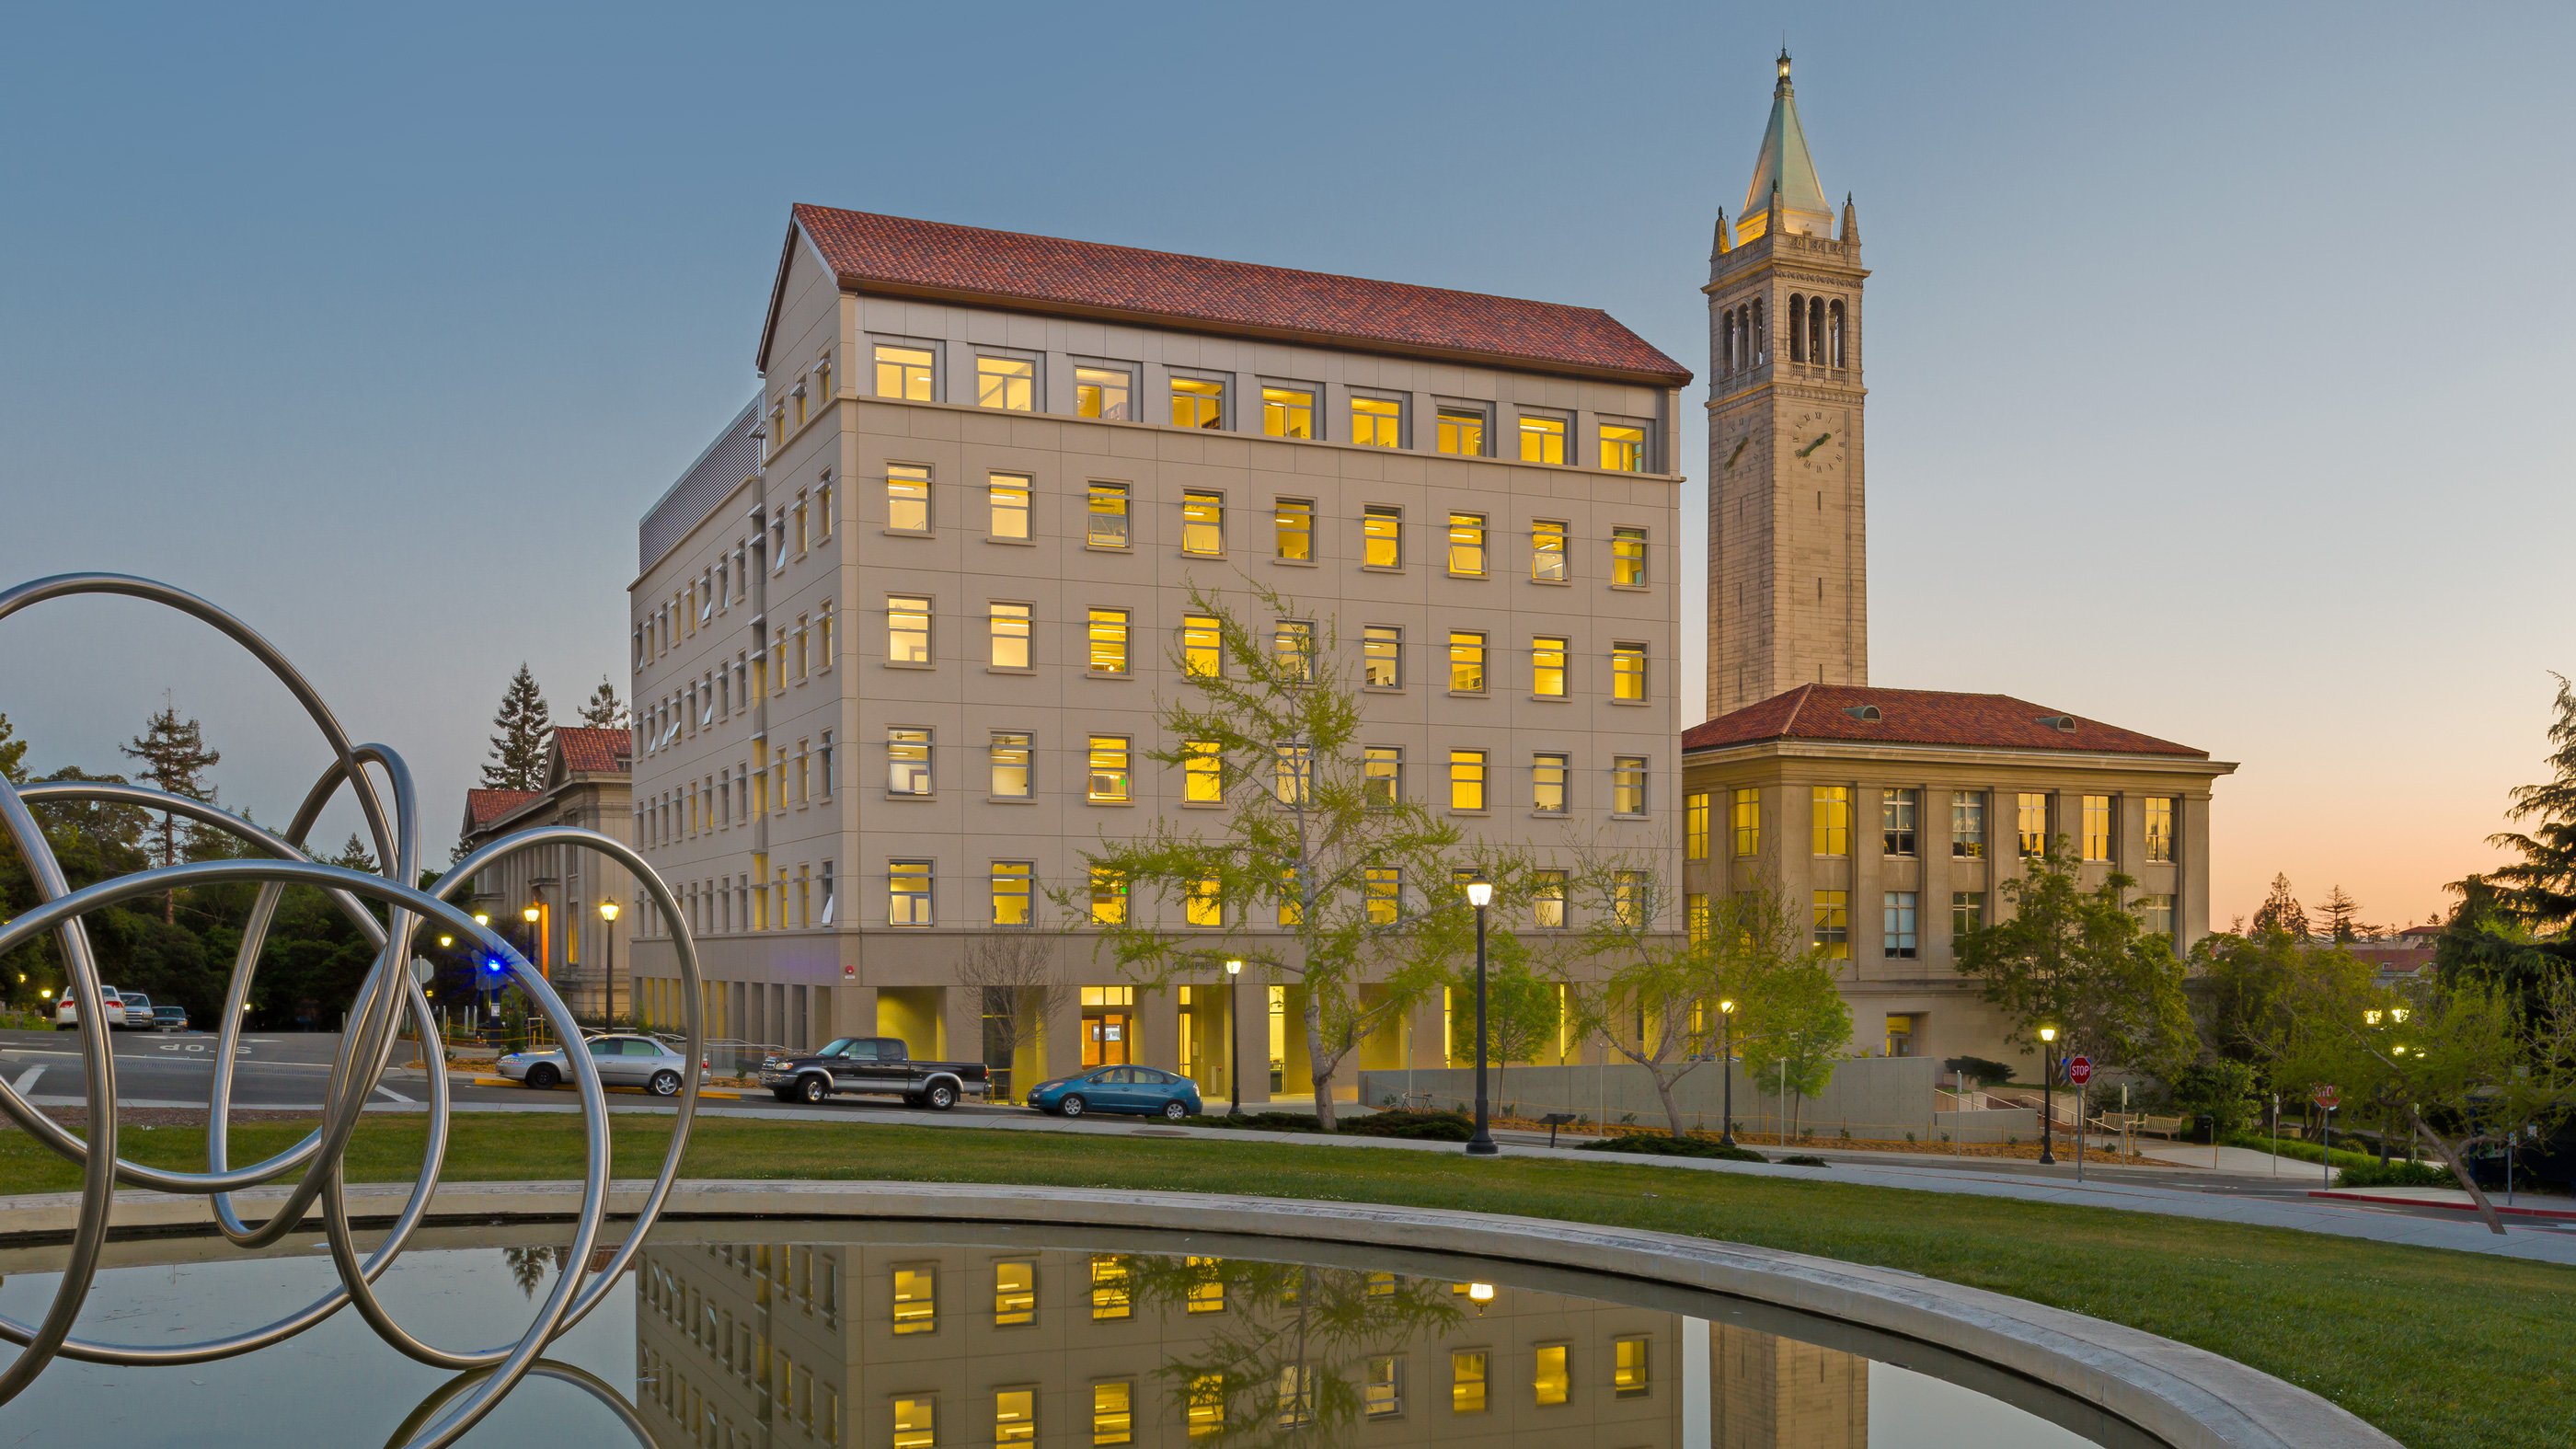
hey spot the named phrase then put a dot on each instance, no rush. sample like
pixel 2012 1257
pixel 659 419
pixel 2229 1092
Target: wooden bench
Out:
pixel 2167 1127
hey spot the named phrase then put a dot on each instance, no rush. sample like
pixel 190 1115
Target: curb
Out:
pixel 2342 1195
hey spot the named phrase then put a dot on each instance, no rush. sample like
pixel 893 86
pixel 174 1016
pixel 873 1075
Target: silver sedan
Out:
pixel 623 1061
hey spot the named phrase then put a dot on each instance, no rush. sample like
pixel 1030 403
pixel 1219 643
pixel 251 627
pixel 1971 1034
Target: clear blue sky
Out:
pixel 2215 352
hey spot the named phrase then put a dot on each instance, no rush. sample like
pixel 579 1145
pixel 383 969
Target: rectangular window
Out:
pixel 1203 523
pixel 1292 777
pixel 1100 392
pixel 1833 820
pixel 1109 641
pixel 1628 671
pixel 1202 773
pixel 2159 813
pixel 1010 624
pixel 907 630
pixel 1292 647
pixel 1896 812
pixel 1833 923
pixel 1108 525
pixel 1109 1295
pixel 1382 1390
pixel 907 498
pixel 1548 1378
pixel 1009 756
pixel 1547 552
pixel 1466 662
pixel 1547 667
pixel 1467 1381
pixel 1466 779
pixel 1382 774
pixel 1113 1413
pixel 904 373
pixel 1014 900
pixel 1628 558
pixel 1205 906
pixel 1377 422
pixel 1108 783
pixel 1628 785
pixel 1288 412
pixel 907 761
pixel 2097 827
pixel 1695 826
pixel 1015 1294
pixel 1899 934
pixel 1108 899
pixel 1623 448
pixel 1547 899
pixel 2032 812
pixel 1008 383
pixel 908 896
pixel 1381 536
pixel 1467 545
pixel 1631 1366
pixel 2155 916
pixel 1967 912
pixel 1382 656
pixel 1008 495
pixel 1202 646
pixel 1542 440
pixel 1746 819
pixel 1197 403
pixel 914 1424
pixel 1293 525
pixel 823 772
pixel 1697 922
pixel 1385 894
pixel 1462 431
pixel 823 637
pixel 1015 1416
pixel 1967 825
pixel 1547 784
pixel 916 1300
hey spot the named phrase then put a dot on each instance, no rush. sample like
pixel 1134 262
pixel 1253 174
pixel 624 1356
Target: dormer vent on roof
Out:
pixel 2063 723
pixel 1865 713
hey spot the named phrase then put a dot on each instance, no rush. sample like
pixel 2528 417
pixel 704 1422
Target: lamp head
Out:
pixel 2398 1012
pixel 530 915
pixel 2370 1018
pixel 1727 1006
pixel 608 910
pixel 2048 1033
pixel 1234 968
pixel 482 918
pixel 446 941
pixel 1480 893
pixel 1481 1292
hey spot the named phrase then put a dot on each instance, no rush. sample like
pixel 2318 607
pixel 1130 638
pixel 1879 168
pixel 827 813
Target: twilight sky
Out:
pixel 2210 347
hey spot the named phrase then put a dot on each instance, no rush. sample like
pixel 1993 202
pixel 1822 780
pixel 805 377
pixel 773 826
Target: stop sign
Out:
pixel 2079 1070
pixel 2326 1096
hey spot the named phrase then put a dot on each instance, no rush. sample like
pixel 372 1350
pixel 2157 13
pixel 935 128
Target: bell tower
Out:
pixel 1788 588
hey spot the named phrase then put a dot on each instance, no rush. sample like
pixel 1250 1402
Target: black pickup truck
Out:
pixel 878 1065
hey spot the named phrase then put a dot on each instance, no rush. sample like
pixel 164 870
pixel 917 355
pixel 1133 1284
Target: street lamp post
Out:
pixel 608 913
pixel 1480 893
pixel 1726 1067
pixel 487 996
pixel 1233 1047
pixel 2047 1093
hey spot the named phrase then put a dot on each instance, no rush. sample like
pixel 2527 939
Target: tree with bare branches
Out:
pixel 1021 987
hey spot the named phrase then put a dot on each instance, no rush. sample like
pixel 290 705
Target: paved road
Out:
pixel 177 1069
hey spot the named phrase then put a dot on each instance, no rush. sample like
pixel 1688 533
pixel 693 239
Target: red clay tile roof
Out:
pixel 904 257
pixel 1919 717
pixel 485 806
pixel 602 751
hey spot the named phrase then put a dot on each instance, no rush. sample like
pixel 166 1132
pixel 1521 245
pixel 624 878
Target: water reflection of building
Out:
pixel 889 1347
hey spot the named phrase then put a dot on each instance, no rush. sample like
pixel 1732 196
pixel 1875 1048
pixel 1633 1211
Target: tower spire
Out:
pixel 1783 163
pixel 1851 222
pixel 1721 244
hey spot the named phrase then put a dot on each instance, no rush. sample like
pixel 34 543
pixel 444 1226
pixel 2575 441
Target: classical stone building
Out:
pixel 587 784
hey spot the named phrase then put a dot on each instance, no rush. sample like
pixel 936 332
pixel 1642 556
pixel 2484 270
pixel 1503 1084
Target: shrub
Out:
pixel 1983 1071
pixel 2218 1090
pixel 2396 1174
pixel 1805 1160
pixel 1656 1144
pixel 1417 1126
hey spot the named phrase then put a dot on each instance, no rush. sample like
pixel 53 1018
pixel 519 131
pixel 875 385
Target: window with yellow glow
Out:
pixel 1204 1410
pixel 1377 422
pixel 1623 448
pixel 1462 432
pixel 1108 638
pixel 1382 536
pixel 1385 886
pixel 1382 656
pixel 916 1300
pixel 1467 1381
pixel 1542 440
pixel 2159 813
pixel 1287 412
pixel 1832 910
pixel 1695 826
pixel 1549 1382
pixel 1466 779
pixel 907 498
pixel 1832 819
pixel 2032 812
pixel 1630 904
pixel 1015 1416
pixel 1010 624
pixel 1547 666
pixel 1205 905
pixel 1197 403
pixel 1203 524
pixel 1013 892
pixel 1630 1365
pixel 1696 918
pixel 1467 545
pixel 1109 1295
pixel 1108 897
pixel 1202 773
pixel 914 1425
pixel 1547 899
pixel 1292 647
pixel 1628 671
pixel 1009 505
pixel 1108 516
pixel 1382 1391
pixel 1207 1284
pixel 1382 774
pixel 907 761
pixel 1547 552
pixel 1628 557
pixel 1293 528
pixel 1008 383
pixel 1547 784
pixel 1202 646
pixel 2097 827
pixel 1108 774
pixel 907 904
pixel 1113 1413
pixel 903 373
pixel 1466 662
pixel 907 630
pixel 1292 769
pixel 1100 392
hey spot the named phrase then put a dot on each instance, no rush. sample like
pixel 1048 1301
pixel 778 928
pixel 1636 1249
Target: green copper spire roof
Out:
pixel 1784 161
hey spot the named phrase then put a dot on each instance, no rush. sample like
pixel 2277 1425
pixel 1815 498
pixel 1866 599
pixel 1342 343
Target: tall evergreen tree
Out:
pixel 2541 887
pixel 175 761
pixel 604 710
pixel 13 753
pixel 2282 912
pixel 2343 924
pixel 519 750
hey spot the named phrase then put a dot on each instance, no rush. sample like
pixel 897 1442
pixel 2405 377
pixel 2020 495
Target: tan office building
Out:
pixel 900 635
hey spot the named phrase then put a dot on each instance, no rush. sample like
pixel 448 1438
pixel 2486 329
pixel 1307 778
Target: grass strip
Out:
pixel 2442 1350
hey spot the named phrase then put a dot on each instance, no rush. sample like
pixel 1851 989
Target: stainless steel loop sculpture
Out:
pixel 387 992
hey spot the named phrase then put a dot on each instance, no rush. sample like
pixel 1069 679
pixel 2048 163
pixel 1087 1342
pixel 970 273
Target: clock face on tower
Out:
pixel 1812 441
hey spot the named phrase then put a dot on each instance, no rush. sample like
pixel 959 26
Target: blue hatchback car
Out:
pixel 1146 1091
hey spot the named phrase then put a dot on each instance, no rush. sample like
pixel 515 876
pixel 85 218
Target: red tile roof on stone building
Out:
pixel 485 806
pixel 899 256
pixel 1920 717
pixel 595 751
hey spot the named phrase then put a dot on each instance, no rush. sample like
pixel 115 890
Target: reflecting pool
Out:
pixel 923 1336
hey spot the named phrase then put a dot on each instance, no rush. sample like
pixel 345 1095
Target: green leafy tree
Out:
pixel 519 750
pixel 2251 981
pixel 2540 888
pixel 175 762
pixel 1796 1027
pixel 1310 873
pixel 1523 1010
pixel 603 710
pixel 2081 961
pixel 13 753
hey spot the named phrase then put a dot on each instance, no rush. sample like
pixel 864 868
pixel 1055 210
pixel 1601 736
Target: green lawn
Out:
pixel 2439 1349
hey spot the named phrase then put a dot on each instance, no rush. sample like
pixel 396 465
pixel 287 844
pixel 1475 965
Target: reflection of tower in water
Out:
pixel 1777 1393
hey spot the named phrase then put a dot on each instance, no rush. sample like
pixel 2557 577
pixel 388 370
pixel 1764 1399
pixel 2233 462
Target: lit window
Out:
pixel 1547 899
pixel 1291 895
pixel 1206 1291
pixel 1899 932
pixel 823 637
pixel 1462 431
pixel 1108 525
pixel 1108 784
pixel 1008 383
pixel 1009 753
pixel 1205 906
pixel 1014 900
pixel 1697 921
pixel 1010 505
pixel 1628 671
pixel 1015 1416
pixel 1630 1377
pixel 1298 1386
pixel 907 761
pixel 1896 812
pixel 1197 404
pixel 2155 915
pixel 1623 448
pixel 1382 1393
pixel 1108 908
pixel 1203 523
pixel 916 1306
pixel 1294 523
pixel 1628 785
pixel 1382 656
pixel 904 373
pixel 1967 912
pixel 2097 827
pixel 1202 646
pixel 1100 392
pixel 1385 887
pixel 1833 820
pixel 2032 823
pixel 1204 1410
pixel 1467 544
pixel 908 904
pixel 1015 1294
pixel 1547 784
pixel 1287 412
pixel 1466 662
pixel 2159 813
pixel 1292 773
pixel 1382 774
pixel 1113 1413
pixel 907 630
pixel 1109 1295
pixel 907 498
pixel 1381 536
pixel 1967 825
pixel 1377 422
pixel 1292 646
pixel 1542 440
pixel 1548 1379
pixel 1695 826
pixel 1547 667
pixel 1547 552
pixel 1467 1381
pixel 1466 779
pixel 1628 557
pixel 913 1424
pixel 1109 641
pixel 1833 923
pixel 1202 773
pixel 1010 629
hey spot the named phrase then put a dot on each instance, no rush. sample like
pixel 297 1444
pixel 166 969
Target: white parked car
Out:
pixel 67 1013
pixel 623 1061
